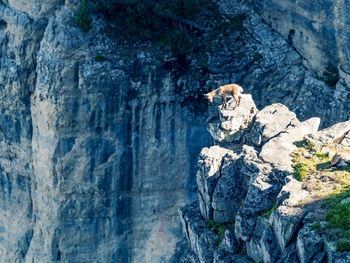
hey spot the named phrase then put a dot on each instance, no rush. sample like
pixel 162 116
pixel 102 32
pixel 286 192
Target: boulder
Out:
pixel 271 121
pixel 284 144
pixel 209 171
pixel 309 243
pixel 228 125
pixel 286 222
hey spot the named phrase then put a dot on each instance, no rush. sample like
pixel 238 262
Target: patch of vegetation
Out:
pixel 84 22
pixel 343 245
pixel 329 188
pixel 322 156
pixel 338 219
pixel 257 56
pixel 178 26
pixel 217 229
pixel 301 170
pixel 99 57
pixel 316 225
pixel 331 75
pixel 267 213
pixel 306 143
pixel 339 216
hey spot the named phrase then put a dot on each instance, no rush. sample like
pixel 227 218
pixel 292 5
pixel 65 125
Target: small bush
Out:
pixel 316 225
pixel 343 245
pixel 99 57
pixel 300 171
pixel 84 22
pixel 306 143
pixel 331 75
pixel 257 56
pixel 339 216
pixel 322 156
pixel 267 213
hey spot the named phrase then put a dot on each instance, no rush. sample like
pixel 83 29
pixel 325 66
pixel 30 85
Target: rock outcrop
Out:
pixel 249 201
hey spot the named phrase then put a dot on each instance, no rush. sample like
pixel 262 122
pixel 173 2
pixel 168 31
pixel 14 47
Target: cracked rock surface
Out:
pixel 248 195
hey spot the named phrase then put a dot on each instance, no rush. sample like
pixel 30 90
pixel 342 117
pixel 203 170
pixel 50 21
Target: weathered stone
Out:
pixel 286 222
pixel 270 122
pixel 193 224
pixel 207 244
pixel 292 193
pixel 284 144
pixel 232 122
pixel 333 255
pixel 229 243
pixel 254 249
pixel 254 245
pixel 220 257
pixel 325 138
pixel 269 246
pixel 316 29
pixel 260 197
pixel 230 190
pixel 210 163
pixel 309 243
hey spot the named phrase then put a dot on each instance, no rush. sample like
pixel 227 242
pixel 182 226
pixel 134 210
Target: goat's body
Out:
pixel 341 158
pixel 231 90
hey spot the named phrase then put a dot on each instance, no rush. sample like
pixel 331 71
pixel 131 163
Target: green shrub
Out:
pixel 343 245
pixel 177 26
pixel 267 213
pixel 99 57
pixel 300 171
pixel 322 156
pixel 331 75
pixel 306 143
pixel 316 225
pixel 257 56
pixel 339 216
pixel 84 22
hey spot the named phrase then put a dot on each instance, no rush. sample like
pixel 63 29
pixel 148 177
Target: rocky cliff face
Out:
pixel 96 155
pixel 317 29
pixel 251 208
pixel 88 147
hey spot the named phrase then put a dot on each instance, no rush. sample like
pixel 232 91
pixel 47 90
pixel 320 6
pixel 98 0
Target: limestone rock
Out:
pixel 286 222
pixel 230 190
pixel 260 197
pixel 323 38
pixel 206 247
pixel 284 144
pixel 270 122
pixel 292 193
pixel 230 124
pixel 324 139
pixel 269 246
pixel 309 243
pixel 193 224
pixel 229 243
pixel 210 163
